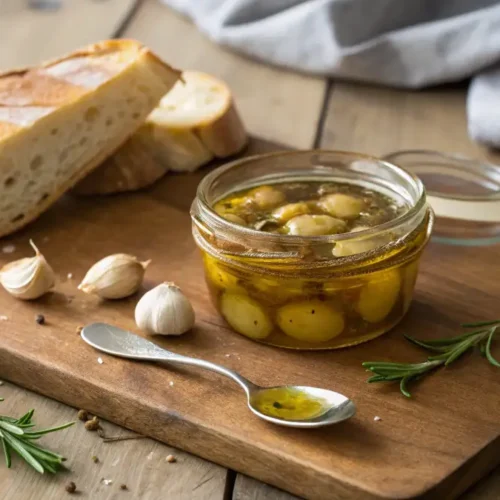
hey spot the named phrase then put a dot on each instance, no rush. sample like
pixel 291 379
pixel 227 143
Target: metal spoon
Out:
pixel 112 340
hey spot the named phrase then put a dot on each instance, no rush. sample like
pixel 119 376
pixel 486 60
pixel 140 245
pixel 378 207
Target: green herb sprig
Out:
pixel 449 350
pixel 18 435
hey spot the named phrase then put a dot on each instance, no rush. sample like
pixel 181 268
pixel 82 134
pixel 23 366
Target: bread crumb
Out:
pixel 70 275
pixel 9 249
pixel 3 317
pixel 377 418
pixel 171 459
pixel 170 383
pixel 100 361
pixel 79 329
pixel 123 486
pixel 107 482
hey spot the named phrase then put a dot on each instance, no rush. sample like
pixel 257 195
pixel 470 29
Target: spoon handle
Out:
pixel 117 342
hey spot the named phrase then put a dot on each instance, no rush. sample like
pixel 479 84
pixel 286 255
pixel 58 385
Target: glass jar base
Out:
pixel 337 343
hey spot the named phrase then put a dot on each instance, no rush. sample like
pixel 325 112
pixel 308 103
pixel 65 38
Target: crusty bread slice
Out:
pixel 60 120
pixel 195 122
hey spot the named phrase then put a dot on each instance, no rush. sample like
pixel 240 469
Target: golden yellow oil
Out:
pixel 289 404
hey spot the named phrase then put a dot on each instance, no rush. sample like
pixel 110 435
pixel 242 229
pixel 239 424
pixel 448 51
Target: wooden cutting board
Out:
pixel 432 446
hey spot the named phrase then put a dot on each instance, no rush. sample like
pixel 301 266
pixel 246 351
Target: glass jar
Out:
pixel 312 292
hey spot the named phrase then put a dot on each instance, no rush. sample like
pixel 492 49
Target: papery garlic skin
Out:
pixel 28 278
pixel 165 310
pixel 115 277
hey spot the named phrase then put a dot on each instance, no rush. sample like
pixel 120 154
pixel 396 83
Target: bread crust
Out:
pixel 16 84
pixel 151 153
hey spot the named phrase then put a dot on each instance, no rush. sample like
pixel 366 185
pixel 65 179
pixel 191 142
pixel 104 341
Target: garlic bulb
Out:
pixel 114 277
pixel 28 278
pixel 165 310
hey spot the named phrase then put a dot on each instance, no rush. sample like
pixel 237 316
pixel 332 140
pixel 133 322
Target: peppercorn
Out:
pixel 40 319
pixel 92 425
pixel 83 415
pixel 71 487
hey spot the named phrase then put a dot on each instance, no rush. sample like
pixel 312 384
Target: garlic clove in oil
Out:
pixel 165 310
pixel 28 278
pixel 115 277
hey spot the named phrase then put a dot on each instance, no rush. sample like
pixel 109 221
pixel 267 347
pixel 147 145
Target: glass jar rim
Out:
pixel 418 206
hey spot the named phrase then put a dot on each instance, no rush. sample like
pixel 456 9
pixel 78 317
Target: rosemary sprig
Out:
pixel 448 350
pixel 18 435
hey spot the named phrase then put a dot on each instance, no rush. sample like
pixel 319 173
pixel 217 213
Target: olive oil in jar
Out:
pixel 324 309
pixel 308 208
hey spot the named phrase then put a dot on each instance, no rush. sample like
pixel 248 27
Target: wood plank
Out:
pixel 377 120
pixel 429 446
pixel 140 464
pixel 275 104
pixel 28 36
pixel 247 488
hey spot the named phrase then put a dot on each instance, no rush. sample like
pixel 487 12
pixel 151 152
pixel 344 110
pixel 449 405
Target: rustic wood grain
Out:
pixel 140 464
pixel 274 104
pixel 377 120
pixel 28 36
pixel 247 488
pixel 427 440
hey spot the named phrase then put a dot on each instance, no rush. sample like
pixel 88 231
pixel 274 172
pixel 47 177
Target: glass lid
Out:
pixel 464 193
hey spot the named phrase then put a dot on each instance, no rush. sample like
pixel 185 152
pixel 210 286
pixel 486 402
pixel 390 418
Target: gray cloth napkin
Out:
pixel 403 43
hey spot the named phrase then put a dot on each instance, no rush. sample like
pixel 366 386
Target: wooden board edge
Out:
pixel 171 429
pixel 198 440
pixel 469 473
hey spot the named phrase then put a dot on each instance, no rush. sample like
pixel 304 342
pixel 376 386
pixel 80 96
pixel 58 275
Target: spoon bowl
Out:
pixel 288 405
pixel 329 407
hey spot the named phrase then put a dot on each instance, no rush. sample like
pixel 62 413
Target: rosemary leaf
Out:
pixel 460 349
pixel 481 323
pixel 402 387
pixel 21 451
pixel 6 452
pixel 487 350
pixel 26 419
pixel 13 429
pixel 14 436
pixel 449 349
pixel 444 343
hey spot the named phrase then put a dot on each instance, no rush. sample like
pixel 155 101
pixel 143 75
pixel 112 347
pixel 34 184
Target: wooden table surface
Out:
pixel 295 110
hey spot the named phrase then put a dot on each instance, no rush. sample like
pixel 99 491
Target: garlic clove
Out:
pixel 115 277
pixel 28 278
pixel 165 310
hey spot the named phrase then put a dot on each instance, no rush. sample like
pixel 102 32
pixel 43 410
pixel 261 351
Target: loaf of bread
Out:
pixel 62 119
pixel 195 122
